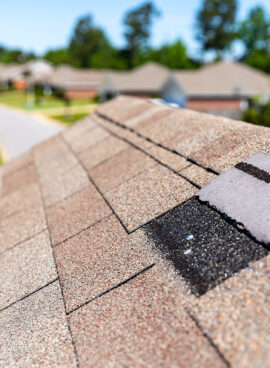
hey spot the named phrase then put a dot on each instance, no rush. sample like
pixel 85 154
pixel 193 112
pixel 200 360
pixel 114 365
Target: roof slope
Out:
pixel 67 76
pixel 109 259
pixel 149 77
pixel 224 78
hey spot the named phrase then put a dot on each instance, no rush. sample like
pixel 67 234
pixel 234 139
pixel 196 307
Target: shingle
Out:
pixel 101 152
pixel 26 268
pixel 89 138
pixel 34 332
pixel 59 171
pixel 233 147
pixel 167 123
pixel 244 198
pixel 201 245
pixel 125 134
pixel 55 189
pixel 20 226
pixel 120 168
pixel 116 110
pixel 98 259
pixel 26 198
pixel 18 179
pixel 17 163
pixel 219 145
pixel 76 213
pixel 77 130
pixel 140 325
pixel 168 158
pixel 236 316
pixel 148 195
pixel 198 175
pixel 194 131
pixel 148 115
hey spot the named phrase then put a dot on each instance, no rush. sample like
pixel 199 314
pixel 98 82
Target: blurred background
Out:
pixel 59 59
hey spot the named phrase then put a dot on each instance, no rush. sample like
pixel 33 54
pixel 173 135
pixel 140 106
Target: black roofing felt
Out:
pixel 203 247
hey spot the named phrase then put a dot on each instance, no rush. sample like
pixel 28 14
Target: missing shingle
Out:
pixel 216 251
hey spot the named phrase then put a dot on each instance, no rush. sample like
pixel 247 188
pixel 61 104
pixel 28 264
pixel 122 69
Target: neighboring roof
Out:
pixel 148 78
pixel 37 68
pixel 108 257
pixel 224 79
pixel 6 68
pixel 66 76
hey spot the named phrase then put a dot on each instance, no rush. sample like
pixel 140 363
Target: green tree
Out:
pixel 254 32
pixel 138 24
pixel 215 25
pixel 108 58
pixel 87 39
pixel 259 59
pixel 57 56
pixel 173 55
pixel 16 56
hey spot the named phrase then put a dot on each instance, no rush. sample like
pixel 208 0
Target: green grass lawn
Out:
pixel 69 119
pixel 18 99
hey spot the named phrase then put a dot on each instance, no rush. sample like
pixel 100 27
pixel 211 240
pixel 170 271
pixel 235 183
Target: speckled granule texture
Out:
pixel 88 138
pixel 201 245
pixel 98 259
pixel 34 332
pixel 18 179
pixel 25 268
pixel 194 132
pixel 140 325
pixel 121 212
pixel 17 163
pixel 21 226
pixel 116 111
pixel 101 152
pixel 59 172
pixel 197 175
pixel 148 195
pixel 172 160
pixel 233 147
pixel 236 315
pixel 120 168
pixel 20 200
pixel 77 130
pixel 76 213
pixel 167 126
pixel 149 114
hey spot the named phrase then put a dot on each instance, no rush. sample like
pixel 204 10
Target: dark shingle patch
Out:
pixel 204 248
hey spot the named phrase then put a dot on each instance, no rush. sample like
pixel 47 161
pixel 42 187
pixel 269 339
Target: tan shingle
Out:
pixel 149 275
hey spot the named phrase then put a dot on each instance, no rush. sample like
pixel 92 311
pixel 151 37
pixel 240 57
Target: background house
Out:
pixel 145 81
pixel 20 75
pixel 76 83
pixel 223 88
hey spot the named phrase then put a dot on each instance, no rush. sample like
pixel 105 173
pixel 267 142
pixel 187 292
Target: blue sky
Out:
pixel 39 25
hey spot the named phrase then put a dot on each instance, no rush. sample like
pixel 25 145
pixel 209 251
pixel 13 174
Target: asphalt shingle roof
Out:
pixel 224 79
pixel 109 258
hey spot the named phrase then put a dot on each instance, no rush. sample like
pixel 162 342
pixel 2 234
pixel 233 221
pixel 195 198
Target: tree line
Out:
pixel 216 31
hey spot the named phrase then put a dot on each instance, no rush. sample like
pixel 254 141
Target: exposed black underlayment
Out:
pixel 203 247
pixel 254 171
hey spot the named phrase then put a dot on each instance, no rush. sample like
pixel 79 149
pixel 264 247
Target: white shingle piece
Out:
pixel 243 197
